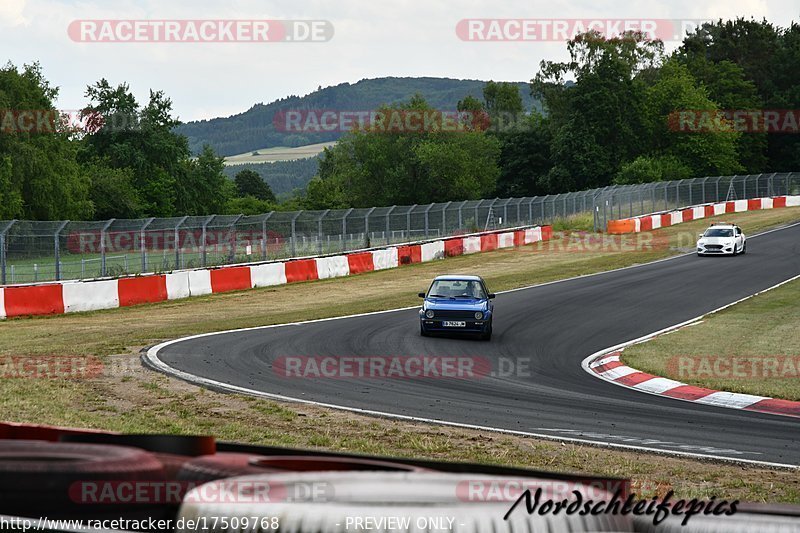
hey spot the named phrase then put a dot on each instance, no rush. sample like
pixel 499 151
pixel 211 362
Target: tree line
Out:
pixel 115 159
pixel 608 117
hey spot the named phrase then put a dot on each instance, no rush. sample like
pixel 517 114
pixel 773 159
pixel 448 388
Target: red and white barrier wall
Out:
pixel 81 296
pixel 687 214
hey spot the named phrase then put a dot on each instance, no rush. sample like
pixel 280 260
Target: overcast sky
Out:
pixel 372 39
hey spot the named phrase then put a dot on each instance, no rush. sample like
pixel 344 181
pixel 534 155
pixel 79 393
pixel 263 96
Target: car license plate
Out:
pixel 454 324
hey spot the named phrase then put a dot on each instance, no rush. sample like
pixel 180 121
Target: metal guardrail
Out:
pixel 33 251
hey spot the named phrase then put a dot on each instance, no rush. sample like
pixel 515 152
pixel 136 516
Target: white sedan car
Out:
pixel 722 239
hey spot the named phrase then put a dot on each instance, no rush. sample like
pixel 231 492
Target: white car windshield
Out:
pixel 718 232
pixel 456 289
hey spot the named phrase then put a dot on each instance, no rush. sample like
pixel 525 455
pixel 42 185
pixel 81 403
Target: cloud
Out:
pixel 372 39
pixel 11 12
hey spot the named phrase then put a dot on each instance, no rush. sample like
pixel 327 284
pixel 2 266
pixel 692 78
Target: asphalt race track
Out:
pixel 554 327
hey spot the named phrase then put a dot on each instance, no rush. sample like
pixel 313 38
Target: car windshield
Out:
pixel 447 288
pixel 718 232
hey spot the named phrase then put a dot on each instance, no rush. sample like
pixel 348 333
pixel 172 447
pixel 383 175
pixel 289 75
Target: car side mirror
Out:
pixel 492 295
pixel 699 235
pixel 421 295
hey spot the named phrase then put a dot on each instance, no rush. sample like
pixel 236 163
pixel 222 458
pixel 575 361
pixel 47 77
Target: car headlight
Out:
pixel 429 313
pixel 478 315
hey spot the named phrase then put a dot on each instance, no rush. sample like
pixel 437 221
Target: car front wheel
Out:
pixel 488 335
pixel 422 331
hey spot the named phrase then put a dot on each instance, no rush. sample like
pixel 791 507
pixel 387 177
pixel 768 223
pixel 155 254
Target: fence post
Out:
pixel 491 213
pixel 232 233
pixel 703 188
pixel 426 219
pixel 366 227
pixel 460 215
pixel 344 229
pixel 203 244
pixel 294 233
pixel 319 231
pixel 143 243
pixel 408 220
pixel 264 235
pixel 641 202
pixel 178 242
pixel 444 219
pixel 3 260
pixel 630 204
pixel 388 225
pixel 103 247
pixel 57 251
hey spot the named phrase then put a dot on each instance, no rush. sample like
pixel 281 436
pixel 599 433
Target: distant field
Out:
pixel 280 153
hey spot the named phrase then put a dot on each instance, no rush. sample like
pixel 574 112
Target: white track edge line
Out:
pixel 151 357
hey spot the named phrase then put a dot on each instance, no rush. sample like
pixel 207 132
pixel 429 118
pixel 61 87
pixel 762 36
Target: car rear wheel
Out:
pixel 744 248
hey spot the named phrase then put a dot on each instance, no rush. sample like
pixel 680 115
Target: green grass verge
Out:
pixel 755 348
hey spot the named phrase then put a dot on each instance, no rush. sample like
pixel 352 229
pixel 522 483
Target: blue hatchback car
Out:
pixel 457 304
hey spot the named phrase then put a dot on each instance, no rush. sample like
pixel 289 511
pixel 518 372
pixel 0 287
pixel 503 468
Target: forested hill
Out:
pixel 254 129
